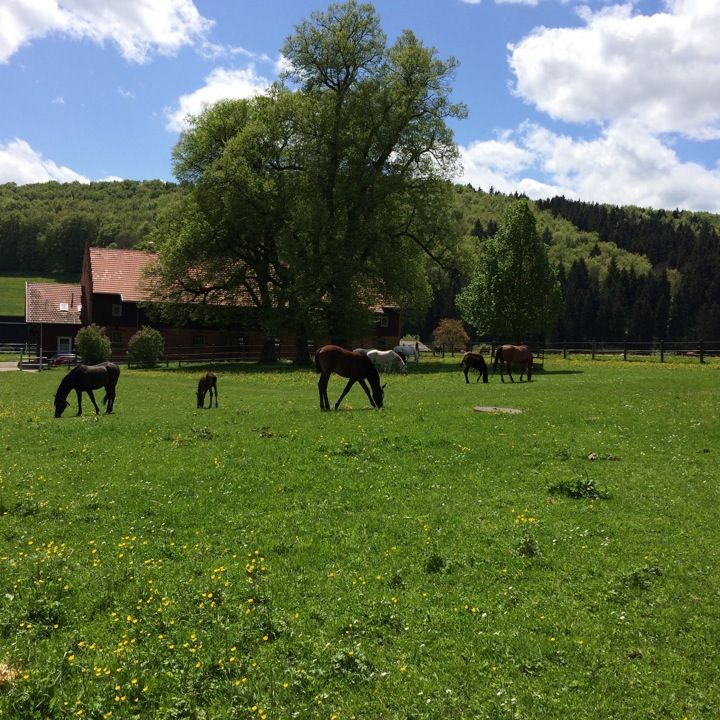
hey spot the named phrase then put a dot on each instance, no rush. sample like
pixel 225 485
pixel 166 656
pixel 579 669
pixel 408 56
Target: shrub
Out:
pixel 93 345
pixel 579 489
pixel 451 333
pixel 146 346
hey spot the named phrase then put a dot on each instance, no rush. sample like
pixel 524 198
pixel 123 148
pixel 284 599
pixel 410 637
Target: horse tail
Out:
pixel 498 357
pixel 484 370
pixel 318 369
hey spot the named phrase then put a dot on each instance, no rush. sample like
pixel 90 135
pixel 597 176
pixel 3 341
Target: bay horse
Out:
pixel 508 355
pixel 207 383
pixel 348 364
pixel 474 361
pixel 86 378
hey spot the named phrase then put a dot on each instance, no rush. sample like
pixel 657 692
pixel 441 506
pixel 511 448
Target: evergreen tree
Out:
pixel 514 291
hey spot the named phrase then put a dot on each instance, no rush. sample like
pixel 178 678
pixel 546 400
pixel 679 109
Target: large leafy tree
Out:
pixel 514 291
pixel 327 193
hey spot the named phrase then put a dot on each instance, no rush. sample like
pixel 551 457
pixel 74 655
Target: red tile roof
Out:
pixel 120 272
pixel 43 303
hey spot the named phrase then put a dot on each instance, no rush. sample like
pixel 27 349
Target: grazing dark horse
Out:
pixel 474 361
pixel 88 378
pixel 508 355
pixel 354 366
pixel 207 382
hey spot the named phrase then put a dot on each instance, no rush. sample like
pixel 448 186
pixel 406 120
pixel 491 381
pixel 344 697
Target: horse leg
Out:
pixel 502 375
pixel 215 388
pixel 322 389
pixel 509 369
pixel 350 383
pixel 364 386
pixel 465 370
pixel 92 397
pixel 79 398
pixel 110 400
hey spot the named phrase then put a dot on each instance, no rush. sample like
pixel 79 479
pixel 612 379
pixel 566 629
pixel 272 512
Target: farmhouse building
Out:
pixel 53 315
pixel 112 292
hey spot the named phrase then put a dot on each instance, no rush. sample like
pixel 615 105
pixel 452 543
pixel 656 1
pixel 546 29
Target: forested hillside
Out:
pixel 44 227
pixel 624 271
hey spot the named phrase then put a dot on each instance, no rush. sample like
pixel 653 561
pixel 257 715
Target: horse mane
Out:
pixel 373 375
pixel 66 385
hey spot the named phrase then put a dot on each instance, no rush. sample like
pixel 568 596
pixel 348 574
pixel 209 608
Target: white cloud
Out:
pixel 20 164
pixel 624 165
pixel 662 69
pixel 220 84
pixel 137 27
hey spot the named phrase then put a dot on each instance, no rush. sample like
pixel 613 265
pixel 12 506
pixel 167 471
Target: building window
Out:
pixel 384 321
pixel 64 307
pixel 117 310
pixel 198 339
pixel 115 337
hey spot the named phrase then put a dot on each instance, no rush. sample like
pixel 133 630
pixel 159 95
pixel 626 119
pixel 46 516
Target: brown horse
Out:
pixel 354 366
pixel 474 361
pixel 86 378
pixel 508 355
pixel 207 382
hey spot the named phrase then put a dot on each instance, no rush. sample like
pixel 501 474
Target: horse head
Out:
pixel 378 395
pixel 60 405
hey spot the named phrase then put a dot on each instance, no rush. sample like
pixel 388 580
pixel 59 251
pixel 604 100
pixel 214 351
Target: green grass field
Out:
pixel 12 290
pixel 267 560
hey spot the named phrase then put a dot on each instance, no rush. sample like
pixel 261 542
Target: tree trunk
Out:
pixel 302 354
pixel 268 354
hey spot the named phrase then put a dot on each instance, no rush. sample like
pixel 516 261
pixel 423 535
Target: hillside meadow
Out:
pixel 266 560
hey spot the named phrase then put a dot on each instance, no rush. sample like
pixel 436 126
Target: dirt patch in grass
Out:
pixel 8 675
pixel 494 409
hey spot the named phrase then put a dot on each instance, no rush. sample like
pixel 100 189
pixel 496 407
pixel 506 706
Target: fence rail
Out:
pixel 210 354
pixel 700 349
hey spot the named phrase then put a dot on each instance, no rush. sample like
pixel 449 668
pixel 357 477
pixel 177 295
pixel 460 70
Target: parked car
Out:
pixel 64 359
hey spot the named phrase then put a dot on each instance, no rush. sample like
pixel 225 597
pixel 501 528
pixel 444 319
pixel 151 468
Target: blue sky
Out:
pixel 602 101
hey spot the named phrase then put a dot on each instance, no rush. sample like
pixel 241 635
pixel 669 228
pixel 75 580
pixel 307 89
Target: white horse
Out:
pixel 385 360
pixel 407 351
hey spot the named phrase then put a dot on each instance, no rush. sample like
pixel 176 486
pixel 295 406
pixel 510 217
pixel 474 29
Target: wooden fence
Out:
pixel 200 354
pixel 700 349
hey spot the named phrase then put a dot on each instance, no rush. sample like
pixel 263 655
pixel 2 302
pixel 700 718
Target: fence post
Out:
pixel 702 352
pixel 624 349
pixel 564 351
pixel 662 351
pixel 443 350
pixel 593 349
